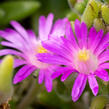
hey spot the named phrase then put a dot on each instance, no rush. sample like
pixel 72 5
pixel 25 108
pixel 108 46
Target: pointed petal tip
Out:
pixel 53 76
pixel 102 74
pixel 95 91
pixel 2 33
pixel 41 18
pixel 40 82
pixel 49 90
pixel 41 77
pixel 51 15
pixel 77 20
pixel 13 22
pixel 15 81
pixel 74 99
pixel 62 79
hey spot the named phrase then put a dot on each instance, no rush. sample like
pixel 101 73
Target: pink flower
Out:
pixel 25 46
pixel 84 52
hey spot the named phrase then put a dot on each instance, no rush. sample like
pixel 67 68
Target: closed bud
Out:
pixel 6 87
pixel 105 13
pixel 91 12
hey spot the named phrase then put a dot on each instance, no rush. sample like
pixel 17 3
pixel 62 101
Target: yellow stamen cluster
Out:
pixel 83 55
pixel 40 49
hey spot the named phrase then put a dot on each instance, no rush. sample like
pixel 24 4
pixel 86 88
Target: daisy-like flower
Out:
pixel 26 46
pixel 84 52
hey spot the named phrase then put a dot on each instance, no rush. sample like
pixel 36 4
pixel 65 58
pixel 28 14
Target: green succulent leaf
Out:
pixel 91 12
pixel 80 7
pixel 6 87
pixel 51 99
pixel 72 16
pixel 6 68
pixel 105 13
pixel 71 3
pixel 16 10
pixel 99 102
pixel 103 87
pixel 99 24
pixel 63 91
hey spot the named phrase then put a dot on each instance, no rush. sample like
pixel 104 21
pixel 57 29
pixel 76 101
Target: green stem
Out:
pixel 28 99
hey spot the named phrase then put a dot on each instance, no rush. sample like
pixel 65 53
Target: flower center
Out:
pixel 32 56
pixel 85 61
pixel 83 55
pixel 40 49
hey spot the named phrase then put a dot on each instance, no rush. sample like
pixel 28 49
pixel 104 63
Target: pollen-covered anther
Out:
pixel 40 49
pixel 83 55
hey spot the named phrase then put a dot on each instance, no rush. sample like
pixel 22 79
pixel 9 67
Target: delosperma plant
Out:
pixel 62 49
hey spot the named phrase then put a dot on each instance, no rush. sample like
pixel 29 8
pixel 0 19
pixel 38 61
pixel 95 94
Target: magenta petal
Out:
pixel 18 62
pixel 24 72
pixel 49 22
pixel 20 30
pixel 78 86
pixel 102 45
pixel 97 40
pixel 84 33
pixel 91 36
pixel 49 45
pixel 51 59
pixel 59 28
pixel 42 23
pixel 98 52
pixel 56 74
pixel 66 75
pixel 104 66
pixel 104 57
pixel 9 44
pixel 103 74
pixel 78 29
pixel 70 35
pixel 33 39
pixel 41 76
pixel 31 35
pixel 9 51
pixel 45 26
pixel 48 82
pixel 56 48
pixel 93 84
pixel 8 35
pixel 59 71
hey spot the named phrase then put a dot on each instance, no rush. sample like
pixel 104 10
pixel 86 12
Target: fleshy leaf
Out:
pixel 80 7
pixel 99 102
pixel 105 13
pixel 99 24
pixel 16 10
pixel 91 12
pixel 6 87
pixel 72 16
pixel 103 87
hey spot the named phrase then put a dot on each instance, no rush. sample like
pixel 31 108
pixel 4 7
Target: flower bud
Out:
pixel 6 87
pixel 91 12
pixel 105 13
